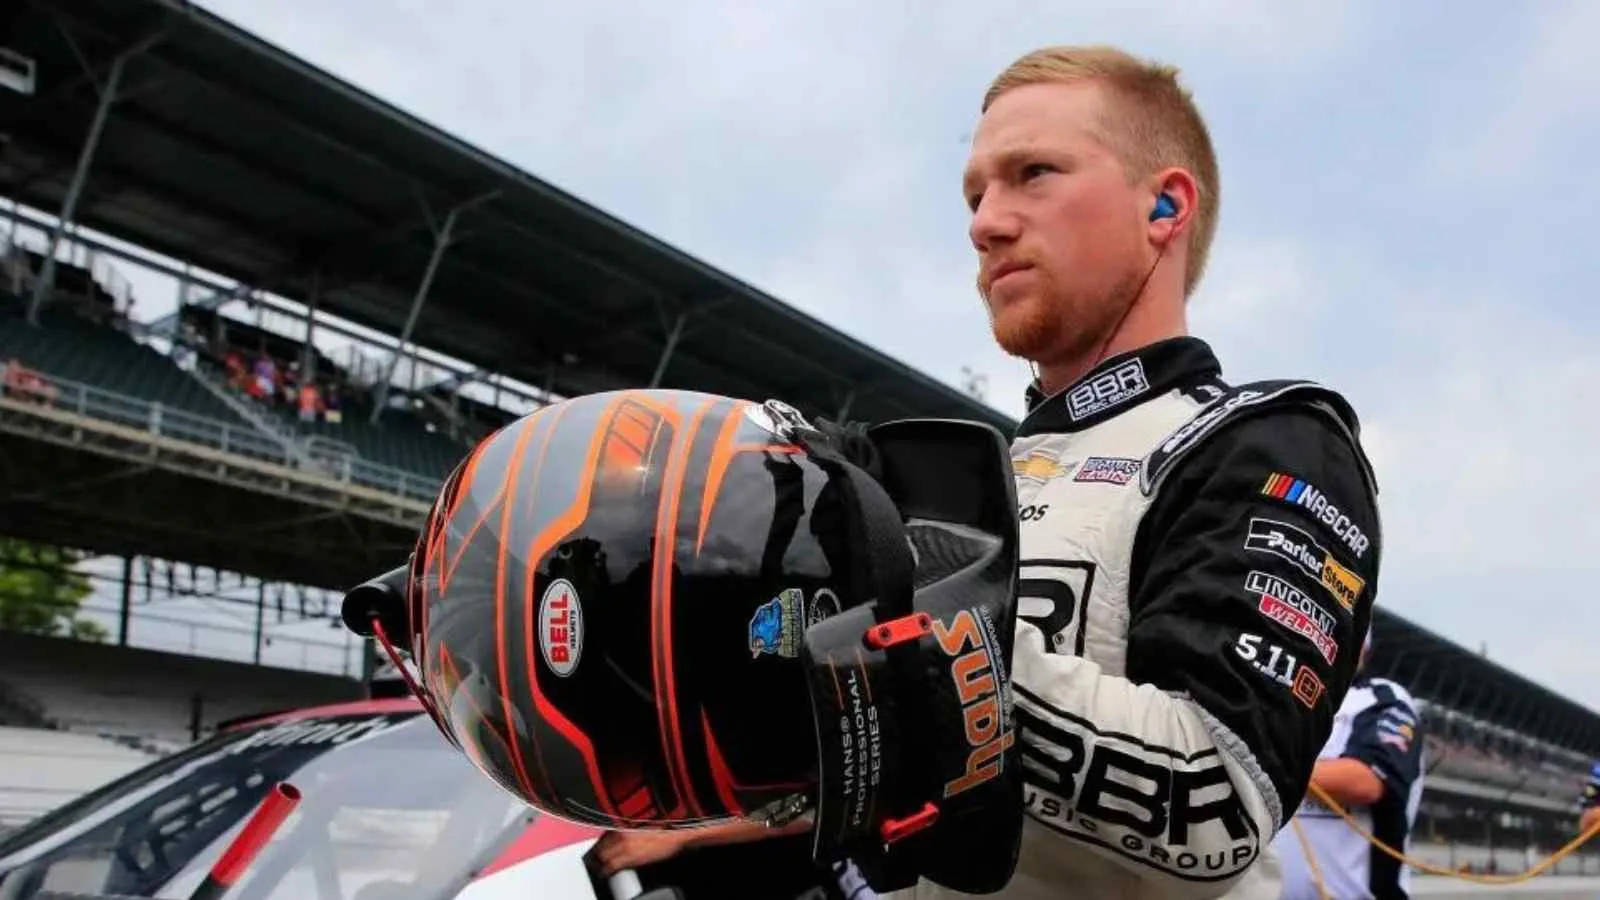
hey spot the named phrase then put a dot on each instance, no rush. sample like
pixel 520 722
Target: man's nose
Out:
pixel 994 222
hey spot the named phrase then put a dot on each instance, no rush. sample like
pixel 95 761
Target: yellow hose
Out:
pixel 1328 801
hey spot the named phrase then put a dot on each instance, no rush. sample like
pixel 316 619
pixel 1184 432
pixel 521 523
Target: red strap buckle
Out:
pixel 898 631
pixel 899 829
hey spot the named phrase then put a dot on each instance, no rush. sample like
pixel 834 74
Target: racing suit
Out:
pixel 1198 566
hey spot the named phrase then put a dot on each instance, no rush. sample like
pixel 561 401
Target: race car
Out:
pixel 388 810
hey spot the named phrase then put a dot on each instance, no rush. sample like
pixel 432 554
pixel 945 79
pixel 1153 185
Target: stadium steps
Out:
pixel 264 422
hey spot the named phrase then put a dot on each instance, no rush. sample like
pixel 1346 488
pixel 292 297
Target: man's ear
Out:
pixel 1177 197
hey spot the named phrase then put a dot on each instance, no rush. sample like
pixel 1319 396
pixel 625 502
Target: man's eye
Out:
pixel 1034 170
pixel 973 200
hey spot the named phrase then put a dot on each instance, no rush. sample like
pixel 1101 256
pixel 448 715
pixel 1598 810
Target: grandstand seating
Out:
pixel 400 439
pixel 41 769
pixel 74 348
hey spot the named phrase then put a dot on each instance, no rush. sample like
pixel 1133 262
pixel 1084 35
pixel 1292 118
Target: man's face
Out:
pixel 1060 233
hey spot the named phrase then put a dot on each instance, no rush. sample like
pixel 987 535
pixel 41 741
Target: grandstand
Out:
pixel 460 293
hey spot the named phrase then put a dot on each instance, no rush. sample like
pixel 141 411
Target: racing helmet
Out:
pixel 656 608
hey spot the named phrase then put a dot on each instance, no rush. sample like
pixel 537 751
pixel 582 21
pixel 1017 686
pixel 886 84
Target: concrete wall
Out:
pixel 106 689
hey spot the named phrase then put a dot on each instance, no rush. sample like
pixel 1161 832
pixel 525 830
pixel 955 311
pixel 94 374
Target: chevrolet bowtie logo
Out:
pixel 1039 467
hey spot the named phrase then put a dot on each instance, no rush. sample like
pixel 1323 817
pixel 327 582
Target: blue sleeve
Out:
pixel 1386 736
pixel 1591 791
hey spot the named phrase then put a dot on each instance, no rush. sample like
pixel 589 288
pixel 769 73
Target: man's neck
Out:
pixel 1057 376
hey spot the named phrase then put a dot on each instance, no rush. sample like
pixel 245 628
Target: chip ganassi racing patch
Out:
pixel 1172 811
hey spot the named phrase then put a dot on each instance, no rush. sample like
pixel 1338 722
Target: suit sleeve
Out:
pixel 1246 599
pixel 1387 737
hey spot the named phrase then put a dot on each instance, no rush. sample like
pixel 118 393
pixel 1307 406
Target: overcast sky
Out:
pixel 1405 216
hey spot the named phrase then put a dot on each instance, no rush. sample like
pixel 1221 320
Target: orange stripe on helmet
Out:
pixel 509 489
pixel 718 468
pixel 661 608
pixel 542 543
pixel 447 566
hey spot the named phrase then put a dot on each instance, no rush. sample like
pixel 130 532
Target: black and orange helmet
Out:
pixel 617 607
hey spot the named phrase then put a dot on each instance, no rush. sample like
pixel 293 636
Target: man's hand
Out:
pixel 618 850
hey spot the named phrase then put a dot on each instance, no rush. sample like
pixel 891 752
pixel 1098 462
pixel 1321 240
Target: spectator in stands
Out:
pixel 1372 766
pixel 265 385
pixel 23 383
pixel 237 376
pixel 310 401
pixel 332 401
pixel 1591 801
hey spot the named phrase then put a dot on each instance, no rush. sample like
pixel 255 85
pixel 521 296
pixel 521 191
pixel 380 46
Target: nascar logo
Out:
pixel 1302 493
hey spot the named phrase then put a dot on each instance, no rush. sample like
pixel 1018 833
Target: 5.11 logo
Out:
pixel 1282 667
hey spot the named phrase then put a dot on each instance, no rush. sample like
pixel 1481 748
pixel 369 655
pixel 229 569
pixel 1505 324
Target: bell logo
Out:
pixel 560 627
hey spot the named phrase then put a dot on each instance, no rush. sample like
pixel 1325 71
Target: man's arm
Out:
pixel 1242 641
pixel 1591 801
pixel 1385 740
pixel 1350 782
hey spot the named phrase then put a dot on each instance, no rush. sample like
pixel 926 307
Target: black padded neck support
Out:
pixel 894 725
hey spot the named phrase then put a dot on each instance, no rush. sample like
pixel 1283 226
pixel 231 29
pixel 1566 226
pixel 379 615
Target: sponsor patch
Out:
pixel 1112 388
pixel 1107 469
pixel 1294 545
pixel 1283 603
pixel 1304 494
pixel 779 418
pixel 1281 666
pixel 776 625
pixel 1170 810
pixel 560 627
pixel 1039 467
pixel 1307 687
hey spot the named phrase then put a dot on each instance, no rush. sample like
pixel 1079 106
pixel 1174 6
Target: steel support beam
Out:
pixel 844 408
pixel 666 352
pixel 69 204
pixel 441 240
pixel 308 359
pixel 127 601
pixel 261 612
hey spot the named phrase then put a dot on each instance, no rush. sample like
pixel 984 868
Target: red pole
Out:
pixel 277 805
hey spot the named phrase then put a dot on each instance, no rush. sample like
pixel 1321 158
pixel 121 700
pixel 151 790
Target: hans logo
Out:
pixel 1113 388
pixel 1301 493
pixel 1107 470
pixel 560 627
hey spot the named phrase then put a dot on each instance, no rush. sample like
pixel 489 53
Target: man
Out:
pixel 1371 766
pixel 1590 803
pixel 1198 560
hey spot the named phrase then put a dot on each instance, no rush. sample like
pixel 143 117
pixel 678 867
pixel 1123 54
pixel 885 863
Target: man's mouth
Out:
pixel 1004 269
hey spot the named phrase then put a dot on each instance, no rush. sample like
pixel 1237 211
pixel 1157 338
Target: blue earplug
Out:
pixel 1165 208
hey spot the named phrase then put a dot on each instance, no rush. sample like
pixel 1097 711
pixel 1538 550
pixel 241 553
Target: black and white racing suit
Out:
pixel 1198 567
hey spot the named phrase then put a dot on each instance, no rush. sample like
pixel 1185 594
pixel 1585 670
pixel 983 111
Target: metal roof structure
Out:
pixel 167 127
pixel 205 143
pixel 1441 671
